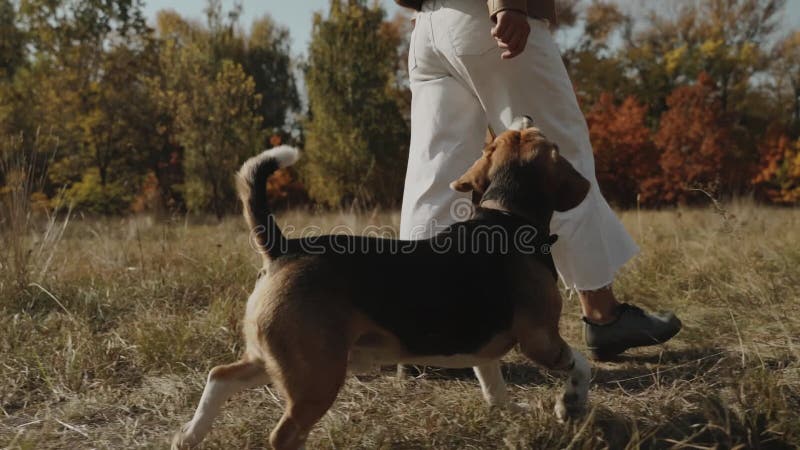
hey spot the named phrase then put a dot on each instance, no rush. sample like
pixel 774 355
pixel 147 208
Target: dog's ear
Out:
pixel 571 186
pixel 476 179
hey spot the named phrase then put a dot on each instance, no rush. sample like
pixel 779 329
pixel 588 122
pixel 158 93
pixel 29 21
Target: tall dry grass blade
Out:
pixel 30 227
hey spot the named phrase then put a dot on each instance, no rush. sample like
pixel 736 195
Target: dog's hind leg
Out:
pixel 309 392
pixel 550 350
pixel 223 382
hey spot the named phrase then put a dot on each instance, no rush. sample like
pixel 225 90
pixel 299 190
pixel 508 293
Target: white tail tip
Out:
pixel 284 154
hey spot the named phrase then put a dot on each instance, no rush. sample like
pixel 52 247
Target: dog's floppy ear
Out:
pixel 476 179
pixel 571 187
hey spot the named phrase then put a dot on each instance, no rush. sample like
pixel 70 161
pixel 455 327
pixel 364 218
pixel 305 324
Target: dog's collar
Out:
pixel 544 240
pixel 508 216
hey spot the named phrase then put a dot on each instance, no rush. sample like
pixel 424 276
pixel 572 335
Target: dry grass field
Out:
pixel 107 333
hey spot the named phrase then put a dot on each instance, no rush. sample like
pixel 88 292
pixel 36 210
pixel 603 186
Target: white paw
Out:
pixel 520 407
pixel 561 411
pixel 569 406
pixel 181 440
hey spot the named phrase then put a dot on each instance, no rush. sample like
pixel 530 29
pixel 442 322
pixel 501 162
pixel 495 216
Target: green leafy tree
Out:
pixel 209 93
pixel 15 119
pixel 219 129
pixel 208 105
pixel 355 136
pixel 83 76
pixel 12 40
pixel 115 130
pixel 268 61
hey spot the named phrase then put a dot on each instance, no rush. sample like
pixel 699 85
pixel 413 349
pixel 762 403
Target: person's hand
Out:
pixel 511 32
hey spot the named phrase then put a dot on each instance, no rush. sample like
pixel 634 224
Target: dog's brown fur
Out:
pixel 302 329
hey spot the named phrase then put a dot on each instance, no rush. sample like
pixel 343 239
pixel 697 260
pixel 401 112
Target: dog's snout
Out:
pixel 521 123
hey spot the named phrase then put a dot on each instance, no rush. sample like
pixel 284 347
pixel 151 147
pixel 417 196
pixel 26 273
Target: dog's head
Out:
pixel 524 171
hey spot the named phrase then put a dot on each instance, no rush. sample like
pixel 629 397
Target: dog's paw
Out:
pixel 569 406
pixel 181 441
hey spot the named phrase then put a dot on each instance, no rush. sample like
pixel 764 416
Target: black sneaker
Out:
pixel 632 328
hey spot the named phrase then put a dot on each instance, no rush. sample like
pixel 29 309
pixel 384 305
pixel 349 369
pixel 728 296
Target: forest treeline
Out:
pixel 111 114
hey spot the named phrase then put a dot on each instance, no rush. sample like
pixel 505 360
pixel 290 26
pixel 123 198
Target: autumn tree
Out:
pixel 786 71
pixel 733 34
pixel 697 149
pixel 778 177
pixel 651 51
pixel 625 156
pixel 648 52
pixel 594 66
pixel 355 136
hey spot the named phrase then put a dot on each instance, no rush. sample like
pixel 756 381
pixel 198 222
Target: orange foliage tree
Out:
pixel 697 149
pixel 625 157
pixel 778 179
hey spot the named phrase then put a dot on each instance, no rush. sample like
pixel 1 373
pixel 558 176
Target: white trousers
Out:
pixel 459 84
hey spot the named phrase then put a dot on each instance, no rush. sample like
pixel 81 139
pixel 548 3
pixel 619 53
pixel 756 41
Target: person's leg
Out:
pixel 447 127
pixel 592 244
pixel 447 131
pixel 600 305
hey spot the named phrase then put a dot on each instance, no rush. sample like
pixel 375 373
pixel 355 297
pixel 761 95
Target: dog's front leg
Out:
pixel 494 387
pixel 573 401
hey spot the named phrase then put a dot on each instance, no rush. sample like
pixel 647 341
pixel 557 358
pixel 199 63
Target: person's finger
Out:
pixel 515 43
pixel 518 43
pixel 512 50
pixel 504 34
pixel 499 29
pixel 509 54
pixel 509 45
pixel 512 31
pixel 506 30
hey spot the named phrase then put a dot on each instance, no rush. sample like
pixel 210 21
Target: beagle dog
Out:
pixel 463 298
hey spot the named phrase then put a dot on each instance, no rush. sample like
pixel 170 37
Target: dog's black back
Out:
pixel 434 294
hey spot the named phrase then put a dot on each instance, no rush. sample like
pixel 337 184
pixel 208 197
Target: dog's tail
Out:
pixel 251 184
